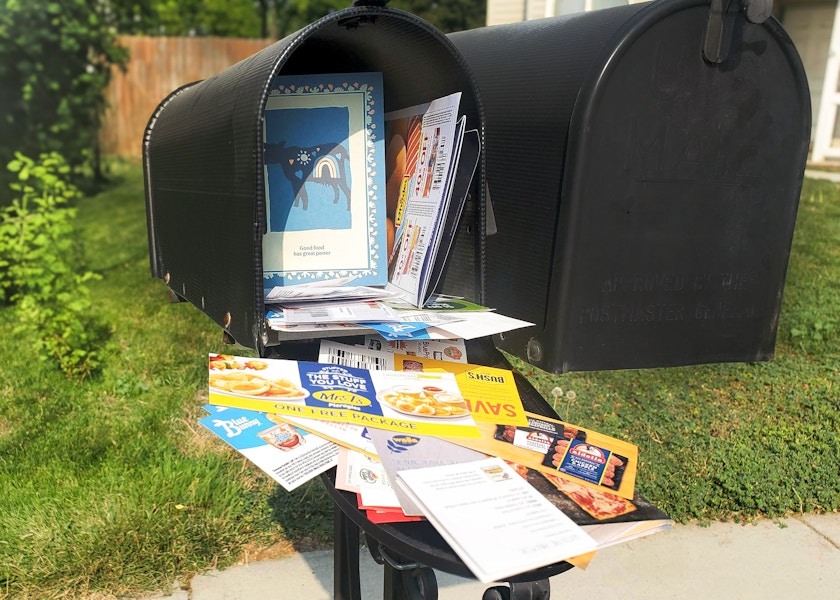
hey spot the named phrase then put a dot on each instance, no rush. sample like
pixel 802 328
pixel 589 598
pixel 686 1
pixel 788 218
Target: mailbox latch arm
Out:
pixel 721 24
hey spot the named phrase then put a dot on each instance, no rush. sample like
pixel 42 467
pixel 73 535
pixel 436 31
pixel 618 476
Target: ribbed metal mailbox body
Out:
pixel 645 198
pixel 203 159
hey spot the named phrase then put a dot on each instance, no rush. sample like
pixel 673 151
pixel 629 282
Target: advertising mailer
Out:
pixel 496 522
pixel 490 394
pixel 413 402
pixel 550 446
pixel 287 454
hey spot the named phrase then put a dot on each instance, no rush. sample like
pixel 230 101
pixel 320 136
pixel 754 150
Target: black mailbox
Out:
pixel 644 165
pixel 203 160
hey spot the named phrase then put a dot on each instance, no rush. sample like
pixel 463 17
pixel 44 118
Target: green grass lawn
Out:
pixel 110 488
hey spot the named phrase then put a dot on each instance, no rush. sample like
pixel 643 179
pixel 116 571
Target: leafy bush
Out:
pixel 55 61
pixel 38 265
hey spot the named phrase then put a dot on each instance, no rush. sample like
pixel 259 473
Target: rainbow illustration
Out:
pixel 326 167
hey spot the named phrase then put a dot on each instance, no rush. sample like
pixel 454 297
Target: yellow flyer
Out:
pixel 490 394
pixel 425 403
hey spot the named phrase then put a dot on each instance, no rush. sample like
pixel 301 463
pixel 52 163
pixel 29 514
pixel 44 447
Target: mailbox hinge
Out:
pixel 722 24
pixel 357 21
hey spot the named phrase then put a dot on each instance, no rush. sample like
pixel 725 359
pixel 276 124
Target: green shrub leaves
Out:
pixel 39 265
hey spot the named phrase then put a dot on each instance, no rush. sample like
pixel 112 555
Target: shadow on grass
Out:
pixel 305 514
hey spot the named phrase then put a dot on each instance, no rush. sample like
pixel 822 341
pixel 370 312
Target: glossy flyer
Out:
pixel 417 402
pixel 289 455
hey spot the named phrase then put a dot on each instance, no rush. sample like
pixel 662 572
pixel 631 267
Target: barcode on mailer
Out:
pixel 416 263
pixel 347 358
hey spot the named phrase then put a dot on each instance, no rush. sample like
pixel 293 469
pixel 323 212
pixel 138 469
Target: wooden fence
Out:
pixel 158 66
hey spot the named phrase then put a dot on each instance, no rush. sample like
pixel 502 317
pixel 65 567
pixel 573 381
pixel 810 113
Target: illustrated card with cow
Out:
pixel 324 160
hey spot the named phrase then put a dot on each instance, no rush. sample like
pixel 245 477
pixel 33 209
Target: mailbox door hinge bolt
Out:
pixel 357 21
pixel 533 351
pixel 227 338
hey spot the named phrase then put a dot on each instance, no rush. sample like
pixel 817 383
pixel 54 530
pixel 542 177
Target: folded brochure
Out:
pixel 429 140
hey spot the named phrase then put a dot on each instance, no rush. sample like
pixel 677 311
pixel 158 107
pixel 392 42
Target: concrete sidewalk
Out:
pixel 791 559
pixel 815 173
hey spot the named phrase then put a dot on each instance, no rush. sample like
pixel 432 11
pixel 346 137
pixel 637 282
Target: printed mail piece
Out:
pixel 324 179
pixel 398 452
pixel 490 394
pixel 496 522
pixel 550 446
pixel 411 402
pixel 289 455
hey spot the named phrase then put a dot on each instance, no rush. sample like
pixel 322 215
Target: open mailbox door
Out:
pixel 203 160
pixel 644 166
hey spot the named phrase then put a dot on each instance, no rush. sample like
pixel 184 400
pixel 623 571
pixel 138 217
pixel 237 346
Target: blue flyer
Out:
pixel 288 454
